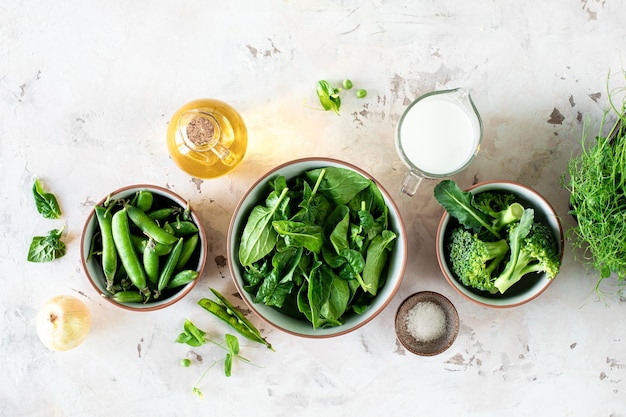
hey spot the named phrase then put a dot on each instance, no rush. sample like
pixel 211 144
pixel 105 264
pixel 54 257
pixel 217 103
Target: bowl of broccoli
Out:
pixel 499 243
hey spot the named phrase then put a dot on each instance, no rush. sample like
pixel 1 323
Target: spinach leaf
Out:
pixel 300 234
pixel 46 203
pixel 336 228
pixel 355 262
pixel 328 96
pixel 47 248
pixel 376 259
pixel 259 237
pixel 318 293
pixel 459 204
pixel 340 185
pixel 337 302
pixel 278 284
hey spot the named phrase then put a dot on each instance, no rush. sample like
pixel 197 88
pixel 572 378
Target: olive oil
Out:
pixel 207 138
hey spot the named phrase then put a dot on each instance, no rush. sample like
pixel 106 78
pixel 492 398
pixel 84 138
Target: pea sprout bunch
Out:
pixel 597 186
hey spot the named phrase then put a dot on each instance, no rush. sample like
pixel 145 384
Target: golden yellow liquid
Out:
pixel 206 165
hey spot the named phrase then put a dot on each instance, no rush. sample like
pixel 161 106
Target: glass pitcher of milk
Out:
pixel 438 136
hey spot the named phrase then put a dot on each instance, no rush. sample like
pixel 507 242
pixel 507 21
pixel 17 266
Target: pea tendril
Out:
pixel 597 186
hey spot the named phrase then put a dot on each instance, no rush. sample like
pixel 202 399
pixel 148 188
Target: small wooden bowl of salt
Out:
pixel 427 323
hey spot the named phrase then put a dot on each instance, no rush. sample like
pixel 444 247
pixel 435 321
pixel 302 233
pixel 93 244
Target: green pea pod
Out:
pixel 184 227
pixel 232 316
pixel 188 249
pixel 168 269
pixel 182 278
pixel 143 200
pixel 151 264
pixel 140 243
pixel 168 228
pixel 109 254
pixel 124 245
pixel 128 297
pixel 161 214
pixel 149 226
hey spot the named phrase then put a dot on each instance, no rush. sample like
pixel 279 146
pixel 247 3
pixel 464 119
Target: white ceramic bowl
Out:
pixel 530 286
pixel 257 193
pixel 93 268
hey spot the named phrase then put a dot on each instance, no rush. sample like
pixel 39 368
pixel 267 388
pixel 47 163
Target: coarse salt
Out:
pixel 426 321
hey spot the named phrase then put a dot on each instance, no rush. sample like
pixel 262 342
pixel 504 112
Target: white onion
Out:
pixel 63 322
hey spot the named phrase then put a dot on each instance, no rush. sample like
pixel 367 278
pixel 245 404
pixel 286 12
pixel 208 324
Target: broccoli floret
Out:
pixel 501 207
pixel 474 260
pixel 533 249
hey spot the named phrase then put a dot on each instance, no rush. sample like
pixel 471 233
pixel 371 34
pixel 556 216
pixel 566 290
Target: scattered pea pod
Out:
pixel 225 311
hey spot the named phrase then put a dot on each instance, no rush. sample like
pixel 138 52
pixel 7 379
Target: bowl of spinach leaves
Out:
pixel 317 247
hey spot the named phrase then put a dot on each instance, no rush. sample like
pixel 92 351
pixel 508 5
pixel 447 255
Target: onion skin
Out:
pixel 63 322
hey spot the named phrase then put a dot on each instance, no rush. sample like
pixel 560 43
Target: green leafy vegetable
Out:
pixel 328 96
pixel 326 254
pixel 46 203
pixel 597 186
pixel 460 205
pixel 479 257
pixel 47 248
pixel 260 234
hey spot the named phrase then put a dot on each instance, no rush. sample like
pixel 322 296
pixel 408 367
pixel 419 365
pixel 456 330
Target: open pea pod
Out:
pixel 231 315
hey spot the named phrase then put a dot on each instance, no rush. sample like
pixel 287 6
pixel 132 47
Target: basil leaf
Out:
pixel 46 203
pixel 47 248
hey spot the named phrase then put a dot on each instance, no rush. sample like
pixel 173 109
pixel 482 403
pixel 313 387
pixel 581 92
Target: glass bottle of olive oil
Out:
pixel 207 138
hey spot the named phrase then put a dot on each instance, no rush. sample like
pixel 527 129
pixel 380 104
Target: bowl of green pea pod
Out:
pixel 143 247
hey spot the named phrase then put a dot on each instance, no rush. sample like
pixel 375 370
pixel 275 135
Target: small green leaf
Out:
pixel 47 248
pixel 328 96
pixel 191 336
pixel 46 203
pixel 233 344
pixel 228 364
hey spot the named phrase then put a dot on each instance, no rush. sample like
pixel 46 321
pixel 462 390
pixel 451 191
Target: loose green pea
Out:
pixel 185 362
pixel 361 93
pixel 347 84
